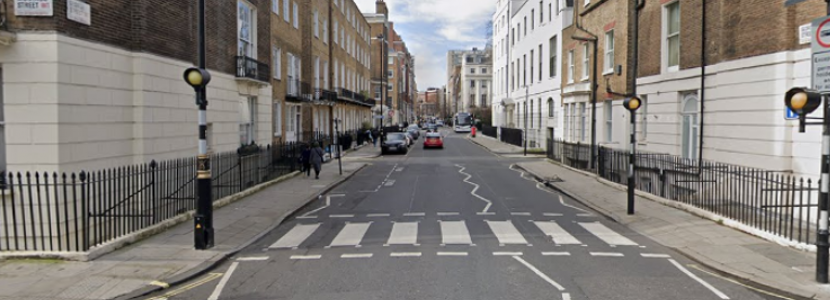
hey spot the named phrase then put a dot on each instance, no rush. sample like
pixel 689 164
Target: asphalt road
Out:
pixel 457 223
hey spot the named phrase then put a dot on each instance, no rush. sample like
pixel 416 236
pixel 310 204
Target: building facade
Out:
pixel 110 92
pixel 731 109
pixel 472 71
pixel 380 44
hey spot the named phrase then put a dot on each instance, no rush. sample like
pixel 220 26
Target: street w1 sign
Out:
pixel 821 54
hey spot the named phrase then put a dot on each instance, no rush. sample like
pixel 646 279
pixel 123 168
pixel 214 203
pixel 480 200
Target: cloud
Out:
pixel 432 27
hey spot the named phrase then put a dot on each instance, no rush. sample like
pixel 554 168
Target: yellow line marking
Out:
pixel 208 278
pixel 768 293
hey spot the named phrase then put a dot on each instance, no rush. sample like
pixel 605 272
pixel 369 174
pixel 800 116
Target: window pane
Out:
pixel 674 50
pixel 674 18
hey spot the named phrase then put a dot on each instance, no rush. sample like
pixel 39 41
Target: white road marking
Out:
pixel 377 215
pixel 351 234
pixel 654 255
pixel 566 296
pixel 556 254
pixel 559 235
pixel 445 214
pixel 500 253
pixel 584 215
pixel 383 181
pixel 452 253
pixel 607 235
pixel 219 287
pixel 562 201
pixel 506 232
pixel 539 273
pixel 399 169
pixel 307 217
pixel 552 215
pixel 328 203
pixel 295 236
pixel 520 214
pixel 356 255
pixel 414 214
pixel 305 257
pixel 476 186
pixel 255 258
pixel 607 254
pixel 405 254
pixel 704 283
pixel 485 213
pixel 455 233
pixel 341 216
pixel 389 182
pixel 403 233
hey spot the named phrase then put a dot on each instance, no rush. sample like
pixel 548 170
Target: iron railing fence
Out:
pixel 77 211
pixel 512 136
pixel 489 131
pixel 777 203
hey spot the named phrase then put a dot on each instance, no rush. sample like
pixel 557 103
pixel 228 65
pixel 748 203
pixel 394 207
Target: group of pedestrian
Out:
pixel 312 157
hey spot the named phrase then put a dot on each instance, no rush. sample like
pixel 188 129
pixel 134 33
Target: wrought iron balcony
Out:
pixel 247 67
pixel 297 90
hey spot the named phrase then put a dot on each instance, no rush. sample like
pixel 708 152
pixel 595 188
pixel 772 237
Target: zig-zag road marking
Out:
pixel 476 187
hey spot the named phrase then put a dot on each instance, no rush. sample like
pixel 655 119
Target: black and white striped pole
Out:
pixel 198 78
pixel 632 104
pixel 803 101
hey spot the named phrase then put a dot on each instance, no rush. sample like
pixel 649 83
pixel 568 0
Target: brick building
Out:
pixel 733 111
pixel 350 54
pixel 380 44
pixel 401 77
pixel 287 57
pixel 111 93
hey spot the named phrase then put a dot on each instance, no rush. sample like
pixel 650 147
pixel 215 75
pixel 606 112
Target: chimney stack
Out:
pixel 380 8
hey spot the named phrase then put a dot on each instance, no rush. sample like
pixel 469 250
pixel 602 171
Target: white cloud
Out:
pixel 431 27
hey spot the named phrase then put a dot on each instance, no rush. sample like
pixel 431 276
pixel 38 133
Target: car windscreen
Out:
pixel 395 137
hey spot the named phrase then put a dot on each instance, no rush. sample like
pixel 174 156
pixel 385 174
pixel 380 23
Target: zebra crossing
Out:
pixel 353 234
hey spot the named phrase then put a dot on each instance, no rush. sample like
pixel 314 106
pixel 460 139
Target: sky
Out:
pixel 432 27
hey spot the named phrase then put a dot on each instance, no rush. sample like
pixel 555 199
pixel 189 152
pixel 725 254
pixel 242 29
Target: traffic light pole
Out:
pixel 203 232
pixel 822 245
pixel 631 163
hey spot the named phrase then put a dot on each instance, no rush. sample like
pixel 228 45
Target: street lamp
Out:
pixel 803 102
pixel 337 144
pixel 198 78
pixel 632 104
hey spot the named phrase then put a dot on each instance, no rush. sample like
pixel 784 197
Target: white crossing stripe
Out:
pixel 452 253
pixel 295 236
pixel 556 254
pixel 559 235
pixel 255 258
pixel 506 232
pixel 507 254
pixel 444 214
pixel 566 296
pixel 356 255
pixel 351 234
pixel 520 214
pixel 405 254
pixel 414 214
pixel 403 233
pixel 611 254
pixel 655 255
pixel 377 215
pixel 607 235
pixel 455 233
pixel 305 257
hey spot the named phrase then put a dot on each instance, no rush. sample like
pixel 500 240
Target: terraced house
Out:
pixel 101 85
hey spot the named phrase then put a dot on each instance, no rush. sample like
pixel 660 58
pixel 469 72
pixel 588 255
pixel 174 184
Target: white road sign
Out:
pixel 40 8
pixel 820 47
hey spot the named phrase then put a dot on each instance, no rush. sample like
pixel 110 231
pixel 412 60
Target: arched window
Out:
pixel 689 114
pixel 550 107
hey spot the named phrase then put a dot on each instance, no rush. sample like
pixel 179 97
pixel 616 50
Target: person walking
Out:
pixel 369 136
pixel 305 157
pixel 316 158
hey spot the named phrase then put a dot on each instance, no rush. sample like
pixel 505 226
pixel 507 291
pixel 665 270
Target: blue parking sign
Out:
pixel 790 114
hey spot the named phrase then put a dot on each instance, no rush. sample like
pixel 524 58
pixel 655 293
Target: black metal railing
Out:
pixel 512 136
pixel 78 211
pixel 492 132
pixel 777 203
pixel 321 94
pixel 247 67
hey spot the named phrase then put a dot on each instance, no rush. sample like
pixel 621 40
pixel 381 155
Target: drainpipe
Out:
pixel 702 85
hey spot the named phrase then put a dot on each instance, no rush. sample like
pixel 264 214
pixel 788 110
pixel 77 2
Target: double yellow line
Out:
pixel 208 278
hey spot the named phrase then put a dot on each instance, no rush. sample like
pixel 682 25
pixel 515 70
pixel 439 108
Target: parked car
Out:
pixel 410 140
pixel 394 142
pixel 439 123
pixel 415 132
pixel 433 140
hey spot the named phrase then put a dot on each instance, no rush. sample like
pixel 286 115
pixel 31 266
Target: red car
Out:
pixel 434 140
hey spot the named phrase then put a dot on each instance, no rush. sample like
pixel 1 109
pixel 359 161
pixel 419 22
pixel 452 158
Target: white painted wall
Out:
pixel 744 118
pixel 73 105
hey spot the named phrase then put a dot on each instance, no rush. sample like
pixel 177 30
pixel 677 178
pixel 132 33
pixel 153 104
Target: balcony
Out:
pixel 250 69
pixel 356 98
pixel 297 90
pixel 323 96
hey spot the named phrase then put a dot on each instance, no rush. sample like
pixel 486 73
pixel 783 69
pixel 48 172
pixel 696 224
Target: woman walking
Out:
pixel 305 157
pixel 316 158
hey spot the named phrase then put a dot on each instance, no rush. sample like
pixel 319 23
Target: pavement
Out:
pixel 168 258
pixel 727 250
pixel 496 146
pixel 455 223
pixel 361 152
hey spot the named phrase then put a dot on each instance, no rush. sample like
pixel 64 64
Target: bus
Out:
pixel 462 122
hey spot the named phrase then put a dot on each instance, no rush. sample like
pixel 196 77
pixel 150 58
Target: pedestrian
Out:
pixel 316 158
pixel 305 160
pixel 375 137
pixel 369 137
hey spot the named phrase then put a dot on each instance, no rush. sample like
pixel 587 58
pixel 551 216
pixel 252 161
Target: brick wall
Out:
pixel 735 29
pixel 162 27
